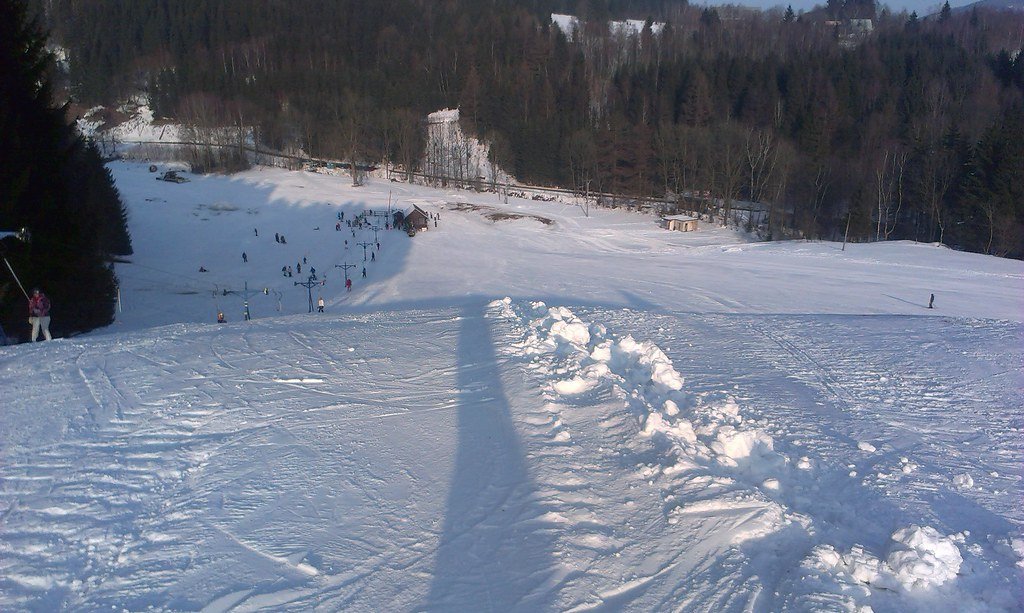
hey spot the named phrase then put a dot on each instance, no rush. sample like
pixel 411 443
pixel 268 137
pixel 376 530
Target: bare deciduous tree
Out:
pixel 889 191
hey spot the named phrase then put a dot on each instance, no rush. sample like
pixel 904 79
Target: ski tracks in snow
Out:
pixel 761 527
pixel 117 479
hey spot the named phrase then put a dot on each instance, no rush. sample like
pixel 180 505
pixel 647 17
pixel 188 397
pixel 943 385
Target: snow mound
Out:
pixel 646 362
pixel 923 558
pixel 920 558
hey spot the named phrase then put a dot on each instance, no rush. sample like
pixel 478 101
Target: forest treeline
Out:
pixel 908 127
pixel 55 192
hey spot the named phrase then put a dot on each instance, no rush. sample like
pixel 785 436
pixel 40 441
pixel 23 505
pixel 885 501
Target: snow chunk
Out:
pixel 923 558
pixel 589 378
pixel 1017 545
pixel 866 446
pixel 732 444
pixel 647 362
pixel 963 482
pixel 681 430
pixel 571 332
pixel 562 325
pixel 602 352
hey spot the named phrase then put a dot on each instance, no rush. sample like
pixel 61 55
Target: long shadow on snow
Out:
pixel 491 556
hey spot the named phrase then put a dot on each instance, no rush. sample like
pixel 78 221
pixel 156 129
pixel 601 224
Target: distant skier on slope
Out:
pixel 320 304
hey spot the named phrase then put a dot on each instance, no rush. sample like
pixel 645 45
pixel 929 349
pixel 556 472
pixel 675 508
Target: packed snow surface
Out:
pixel 521 408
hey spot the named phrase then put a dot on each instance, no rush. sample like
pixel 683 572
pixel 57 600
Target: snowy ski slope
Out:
pixel 520 409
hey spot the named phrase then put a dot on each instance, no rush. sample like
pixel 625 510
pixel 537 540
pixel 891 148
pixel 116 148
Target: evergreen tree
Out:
pixel 54 185
pixel 945 13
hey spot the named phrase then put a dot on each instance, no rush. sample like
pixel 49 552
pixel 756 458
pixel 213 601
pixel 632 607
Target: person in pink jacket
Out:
pixel 39 314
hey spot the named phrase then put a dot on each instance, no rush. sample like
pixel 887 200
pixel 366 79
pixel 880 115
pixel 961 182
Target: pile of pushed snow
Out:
pixel 919 558
pixel 712 433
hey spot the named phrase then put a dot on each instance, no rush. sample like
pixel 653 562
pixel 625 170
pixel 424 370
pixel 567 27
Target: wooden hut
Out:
pixel 682 223
pixel 417 219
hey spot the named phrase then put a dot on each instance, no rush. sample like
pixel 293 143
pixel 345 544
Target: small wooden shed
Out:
pixel 417 219
pixel 682 223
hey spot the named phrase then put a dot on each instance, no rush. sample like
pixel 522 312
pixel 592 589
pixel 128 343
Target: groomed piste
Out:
pixel 587 413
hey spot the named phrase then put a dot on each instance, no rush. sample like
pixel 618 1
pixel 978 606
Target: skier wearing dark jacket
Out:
pixel 39 314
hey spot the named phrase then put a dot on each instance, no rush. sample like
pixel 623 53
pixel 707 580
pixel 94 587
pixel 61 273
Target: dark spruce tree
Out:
pixel 53 184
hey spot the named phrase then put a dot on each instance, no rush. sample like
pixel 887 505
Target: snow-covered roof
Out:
pixel 443 116
pixel 570 23
pixel 680 218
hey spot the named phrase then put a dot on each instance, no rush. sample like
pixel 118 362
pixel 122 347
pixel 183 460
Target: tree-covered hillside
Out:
pixel 897 127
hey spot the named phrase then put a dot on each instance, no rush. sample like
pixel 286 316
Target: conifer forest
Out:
pixel 911 128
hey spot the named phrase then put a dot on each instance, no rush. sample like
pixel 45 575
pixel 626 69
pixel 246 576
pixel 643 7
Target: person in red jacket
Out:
pixel 39 314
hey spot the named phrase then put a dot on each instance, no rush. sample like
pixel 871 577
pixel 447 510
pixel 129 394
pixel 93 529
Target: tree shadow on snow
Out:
pixel 493 555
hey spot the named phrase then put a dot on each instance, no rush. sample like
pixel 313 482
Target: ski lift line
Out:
pixel 201 283
pixel 169 272
pixel 201 286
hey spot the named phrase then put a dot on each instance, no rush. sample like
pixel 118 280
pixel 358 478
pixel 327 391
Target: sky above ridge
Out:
pixel 922 7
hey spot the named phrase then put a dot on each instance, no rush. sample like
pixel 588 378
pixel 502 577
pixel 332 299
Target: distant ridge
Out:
pixel 996 5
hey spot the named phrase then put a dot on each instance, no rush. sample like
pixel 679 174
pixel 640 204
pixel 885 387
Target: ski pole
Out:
pixel 13 274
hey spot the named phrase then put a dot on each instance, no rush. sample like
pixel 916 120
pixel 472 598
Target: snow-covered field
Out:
pixel 651 420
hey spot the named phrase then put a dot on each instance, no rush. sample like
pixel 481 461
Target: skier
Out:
pixel 39 314
pixel 257 231
pixel 284 271
pixel 348 285
pixel 364 272
pixel 277 237
pixel 320 304
pixel 337 227
pixel 201 269
pixel 245 258
pixel 303 259
pixel 931 302
pixel 220 318
pixel 283 242
pixel 373 256
pixel 289 271
pixel 298 267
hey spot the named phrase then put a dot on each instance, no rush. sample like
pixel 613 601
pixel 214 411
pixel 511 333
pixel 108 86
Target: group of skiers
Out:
pixel 361 221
